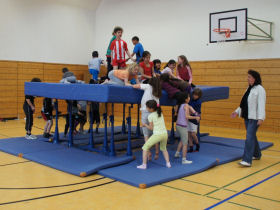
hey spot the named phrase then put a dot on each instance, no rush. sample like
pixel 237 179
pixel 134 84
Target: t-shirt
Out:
pixel 95 63
pixel 124 74
pixel 47 106
pixel 31 98
pixel 119 47
pixel 157 71
pixel 147 70
pixel 159 125
pixel 108 54
pixel 181 119
pixel 167 70
pixel 148 95
pixel 196 105
pixel 185 73
pixel 138 50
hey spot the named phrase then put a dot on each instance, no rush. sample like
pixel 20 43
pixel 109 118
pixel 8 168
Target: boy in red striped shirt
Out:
pixel 118 49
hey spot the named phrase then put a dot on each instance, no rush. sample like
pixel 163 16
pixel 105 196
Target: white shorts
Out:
pixel 192 127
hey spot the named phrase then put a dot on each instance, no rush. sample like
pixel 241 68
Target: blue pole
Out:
pixel 138 122
pixel 112 143
pixel 105 141
pixel 56 133
pixel 91 140
pixel 70 140
pixel 123 122
pixel 129 150
pixel 172 133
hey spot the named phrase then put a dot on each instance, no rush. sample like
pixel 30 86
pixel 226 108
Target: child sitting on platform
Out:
pixel 169 68
pixel 195 103
pixel 29 109
pixel 47 115
pixel 157 125
pixel 94 65
pixel 157 67
pixel 124 77
pixel 147 66
pixel 152 91
pixel 94 111
pixel 184 70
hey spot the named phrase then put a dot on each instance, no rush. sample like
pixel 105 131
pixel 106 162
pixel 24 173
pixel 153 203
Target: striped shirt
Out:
pixel 118 47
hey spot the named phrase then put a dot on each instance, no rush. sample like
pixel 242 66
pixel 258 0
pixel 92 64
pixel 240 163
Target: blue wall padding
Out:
pixel 110 93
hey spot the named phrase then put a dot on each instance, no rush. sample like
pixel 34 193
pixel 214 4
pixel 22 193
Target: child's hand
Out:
pixel 233 115
pixel 144 125
pixel 33 109
pixel 197 118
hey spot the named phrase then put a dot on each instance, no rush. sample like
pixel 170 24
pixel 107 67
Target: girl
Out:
pixel 169 68
pixel 152 91
pixel 157 66
pixel 156 123
pixel 181 125
pixel 124 77
pixel 147 66
pixel 184 69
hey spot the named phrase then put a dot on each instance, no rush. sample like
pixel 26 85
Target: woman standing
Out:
pixel 252 109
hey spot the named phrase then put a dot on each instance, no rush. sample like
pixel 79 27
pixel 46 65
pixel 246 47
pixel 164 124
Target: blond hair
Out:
pixel 133 66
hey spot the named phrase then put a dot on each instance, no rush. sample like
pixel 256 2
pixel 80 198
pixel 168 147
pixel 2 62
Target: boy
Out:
pixel 157 66
pixel 94 65
pixel 118 49
pixel 195 103
pixel 47 116
pixel 29 109
pixel 138 49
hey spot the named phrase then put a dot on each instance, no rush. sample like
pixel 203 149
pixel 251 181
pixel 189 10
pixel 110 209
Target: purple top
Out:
pixel 170 89
pixel 181 118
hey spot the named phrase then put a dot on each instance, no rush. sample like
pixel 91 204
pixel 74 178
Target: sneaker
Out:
pixel 46 135
pixel 168 165
pixel 143 166
pixel 186 161
pixel 32 137
pixel 27 137
pixel 256 158
pixel 243 163
pixel 177 155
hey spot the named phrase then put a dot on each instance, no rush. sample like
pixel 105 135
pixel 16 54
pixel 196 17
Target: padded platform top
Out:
pixel 110 93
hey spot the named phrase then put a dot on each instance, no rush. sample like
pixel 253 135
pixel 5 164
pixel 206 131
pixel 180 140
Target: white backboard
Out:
pixel 235 20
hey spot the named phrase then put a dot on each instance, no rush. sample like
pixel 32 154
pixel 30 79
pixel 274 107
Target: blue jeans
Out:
pixel 115 80
pixel 252 148
pixel 94 73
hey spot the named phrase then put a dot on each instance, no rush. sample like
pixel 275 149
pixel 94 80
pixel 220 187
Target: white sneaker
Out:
pixel 168 165
pixel 27 137
pixel 186 161
pixel 32 137
pixel 243 163
pixel 177 155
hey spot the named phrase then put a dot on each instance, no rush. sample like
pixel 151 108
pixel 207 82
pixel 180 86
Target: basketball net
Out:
pixel 224 34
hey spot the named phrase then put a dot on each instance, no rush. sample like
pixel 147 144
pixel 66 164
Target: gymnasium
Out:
pixel 152 104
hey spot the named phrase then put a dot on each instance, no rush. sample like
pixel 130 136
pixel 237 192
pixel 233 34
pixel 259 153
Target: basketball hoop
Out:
pixel 223 30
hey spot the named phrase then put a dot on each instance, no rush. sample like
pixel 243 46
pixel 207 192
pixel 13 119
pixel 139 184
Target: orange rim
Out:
pixel 226 30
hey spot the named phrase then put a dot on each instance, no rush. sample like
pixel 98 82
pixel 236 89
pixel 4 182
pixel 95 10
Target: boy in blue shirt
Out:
pixel 94 65
pixel 138 49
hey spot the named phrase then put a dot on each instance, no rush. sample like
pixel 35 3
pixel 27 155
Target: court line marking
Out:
pixel 8 164
pixel 55 186
pixel 57 194
pixel 242 191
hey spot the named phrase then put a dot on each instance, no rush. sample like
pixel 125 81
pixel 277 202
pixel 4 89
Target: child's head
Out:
pixel 165 77
pixel 183 61
pixel 157 63
pixel 155 83
pixel 146 56
pixel 183 98
pixel 95 54
pixel 196 94
pixel 171 64
pixel 36 79
pixel 135 40
pixel 64 70
pixel 153 106
pixel 118 31
pixel 134 69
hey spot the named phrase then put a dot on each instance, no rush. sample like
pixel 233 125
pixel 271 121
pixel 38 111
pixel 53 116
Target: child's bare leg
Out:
pixel 157 151
pixel 49 126
pixel 194 137
pixel 185 150
pixel 166 157
pixel 190 139
pixel 149 152
pixel 115 67
pixel 46 127
pixel 144 160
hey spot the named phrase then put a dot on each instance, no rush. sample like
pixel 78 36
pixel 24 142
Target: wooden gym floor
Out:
pixel 28 185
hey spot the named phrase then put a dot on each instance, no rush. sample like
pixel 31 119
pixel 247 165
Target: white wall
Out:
pixel 47 31
pixel 168 28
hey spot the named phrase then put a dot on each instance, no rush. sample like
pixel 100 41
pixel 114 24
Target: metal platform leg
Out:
pixel 112 142
pixel 138 132
pixel 70 139
pixel 91 139
pixel 56 133
pixel 172 132
pixel 123 122
pixel 129 150
pixel 105 141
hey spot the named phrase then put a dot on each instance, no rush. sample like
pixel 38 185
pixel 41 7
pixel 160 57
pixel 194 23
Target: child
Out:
pixel 184 69
pixel 94 111
pixel 29 109
pixel 46 112
pixel 148 67
pixel 152 91
pixel 181 126
pixel 124 77
pixel 118 49
pixel 68 76
pixel 195 103
pixel 82 114
pixel 138 49
pixel 108 55
pixel 169 68
pixel 94 65
pixel 74 117
pixel 157 67
pixel 156 123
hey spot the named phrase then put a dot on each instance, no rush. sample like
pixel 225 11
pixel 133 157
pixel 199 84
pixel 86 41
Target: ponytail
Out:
pixel 152 104
pixel 159 111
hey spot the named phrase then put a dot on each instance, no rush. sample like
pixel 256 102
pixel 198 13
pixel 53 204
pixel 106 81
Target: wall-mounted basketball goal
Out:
pixel 234 25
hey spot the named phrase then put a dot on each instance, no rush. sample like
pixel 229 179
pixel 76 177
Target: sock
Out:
pixel 191 149
pixel 183 159
pixel 197 147
pixel 143 166
pixel 168 165
pixel 177 153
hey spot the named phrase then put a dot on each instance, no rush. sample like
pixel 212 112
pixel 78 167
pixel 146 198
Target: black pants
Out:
pixel 67 124
pixel 109 66
pixel 29 117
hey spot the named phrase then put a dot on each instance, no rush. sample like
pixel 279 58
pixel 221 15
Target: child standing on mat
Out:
pixel 169 68
pixel 195 103
pixel 184 114
pixel 47 115
pixel 118 49
pixel 157 67
pixel 29 109
pixel 157 125
pixel 94 65
pixel 152 91
pixel 94 111
pixel 147 66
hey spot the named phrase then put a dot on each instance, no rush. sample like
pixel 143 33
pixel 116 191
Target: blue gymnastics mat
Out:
pixel 70 160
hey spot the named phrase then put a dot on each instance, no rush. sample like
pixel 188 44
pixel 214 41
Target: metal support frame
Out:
pixel 123 121
pixel 91 139
pixel 70 139
pixel 267 36
pixel 112 142
pixel 105 141
pixel 138 132
pixel 172 132
pixel 129 150
pixel 56 133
